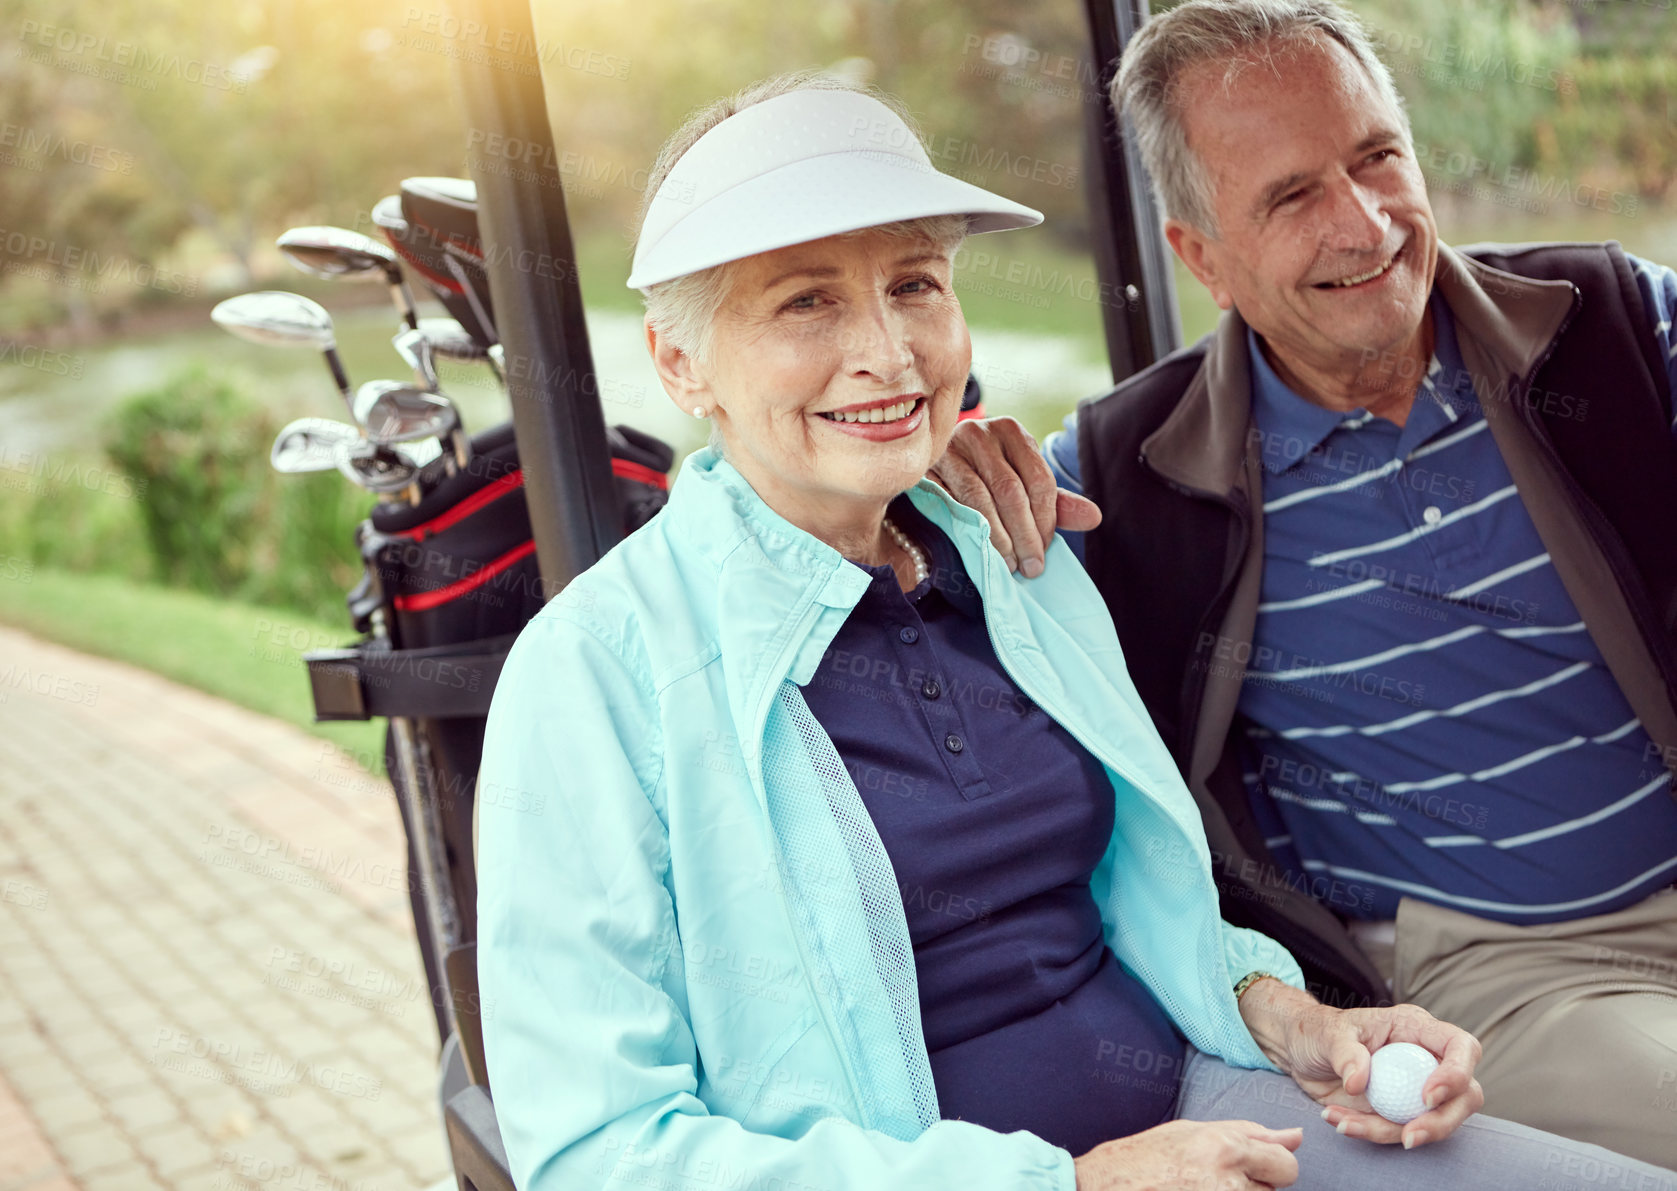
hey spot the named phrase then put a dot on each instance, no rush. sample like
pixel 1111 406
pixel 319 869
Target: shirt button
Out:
pixel 909 634
pixel 953 743
pixel 1432 515
pixel 931 690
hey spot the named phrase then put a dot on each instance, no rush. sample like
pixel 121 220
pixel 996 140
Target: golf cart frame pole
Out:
pixel 1132 260
pixel 528 253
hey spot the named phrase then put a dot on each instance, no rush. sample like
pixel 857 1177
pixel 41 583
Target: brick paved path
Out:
pixel 208 975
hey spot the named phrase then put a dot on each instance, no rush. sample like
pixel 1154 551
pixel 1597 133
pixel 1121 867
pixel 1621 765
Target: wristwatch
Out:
pixel 1248 980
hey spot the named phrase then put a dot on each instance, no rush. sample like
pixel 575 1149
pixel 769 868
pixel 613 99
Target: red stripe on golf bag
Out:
pixel 628 469
pixel 442 595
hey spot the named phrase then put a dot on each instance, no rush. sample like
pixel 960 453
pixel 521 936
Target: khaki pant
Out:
pixel 1578 1019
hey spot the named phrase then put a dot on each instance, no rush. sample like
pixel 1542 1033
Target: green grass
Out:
pixel 247 655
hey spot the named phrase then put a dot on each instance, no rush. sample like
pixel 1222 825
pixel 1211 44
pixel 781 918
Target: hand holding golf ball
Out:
pixel 1387 1075
pixel 1396 1075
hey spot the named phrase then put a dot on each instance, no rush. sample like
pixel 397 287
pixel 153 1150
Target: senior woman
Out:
pixel 840 858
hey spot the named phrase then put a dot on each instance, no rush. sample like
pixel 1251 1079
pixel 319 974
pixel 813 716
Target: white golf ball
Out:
pixel 1394 1081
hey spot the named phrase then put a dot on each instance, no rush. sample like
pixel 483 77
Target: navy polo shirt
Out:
pixel 1425 712
pixel 994 818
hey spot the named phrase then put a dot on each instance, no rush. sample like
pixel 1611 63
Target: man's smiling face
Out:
pixel 1325 243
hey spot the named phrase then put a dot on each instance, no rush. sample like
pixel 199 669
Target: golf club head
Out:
pixel 377 468
pixel 337 252
pixel 451 340
pixel 392 412
pixel 387 214
pixel 277 318
pixel 311 444
pixel 416 348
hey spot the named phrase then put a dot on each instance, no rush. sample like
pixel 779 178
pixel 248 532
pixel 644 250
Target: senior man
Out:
pixel 1393 557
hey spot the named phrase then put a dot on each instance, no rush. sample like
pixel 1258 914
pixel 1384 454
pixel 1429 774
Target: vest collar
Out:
pixel 1513 320
pixel 1202 443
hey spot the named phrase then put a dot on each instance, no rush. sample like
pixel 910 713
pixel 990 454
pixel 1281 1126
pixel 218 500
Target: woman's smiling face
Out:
pixel 835 371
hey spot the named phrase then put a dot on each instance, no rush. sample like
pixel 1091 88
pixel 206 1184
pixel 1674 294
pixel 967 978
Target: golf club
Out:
pixel 339 252
pixel 445 337
pixel 451 340
pixel 453 256
pixel 282 319
pixel 392 412
pixel 382 470
pixel 415 347
pixel 387 214
pixel 311 444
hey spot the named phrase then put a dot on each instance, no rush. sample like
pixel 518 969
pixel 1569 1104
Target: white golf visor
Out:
pixel 796 168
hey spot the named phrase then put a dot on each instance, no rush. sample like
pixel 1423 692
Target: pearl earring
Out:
pixel 698 411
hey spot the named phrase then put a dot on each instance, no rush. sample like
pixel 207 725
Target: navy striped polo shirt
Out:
pixel 1425 713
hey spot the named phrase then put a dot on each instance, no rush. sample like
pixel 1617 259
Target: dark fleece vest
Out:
pixel 1167 558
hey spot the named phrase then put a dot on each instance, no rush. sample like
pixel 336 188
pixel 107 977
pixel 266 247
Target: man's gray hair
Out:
pixel 1234 33
pixel 684 308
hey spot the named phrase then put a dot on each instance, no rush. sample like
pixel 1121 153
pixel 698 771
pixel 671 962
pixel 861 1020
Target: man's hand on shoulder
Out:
pixel 992 465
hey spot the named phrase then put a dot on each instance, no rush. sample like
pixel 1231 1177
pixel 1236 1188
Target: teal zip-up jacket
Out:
pixel 694 964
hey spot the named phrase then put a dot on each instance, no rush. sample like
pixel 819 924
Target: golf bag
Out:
pixel 447 585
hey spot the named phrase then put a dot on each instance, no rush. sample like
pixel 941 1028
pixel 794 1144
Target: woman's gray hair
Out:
pixel 683 309
pixel 1234 33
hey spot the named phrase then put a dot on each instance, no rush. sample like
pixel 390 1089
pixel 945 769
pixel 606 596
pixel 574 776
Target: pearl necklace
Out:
pixel 910 549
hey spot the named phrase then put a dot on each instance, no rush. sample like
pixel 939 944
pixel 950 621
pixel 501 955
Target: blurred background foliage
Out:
pixel 317 107
pixel 180 494
pixel 151 150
